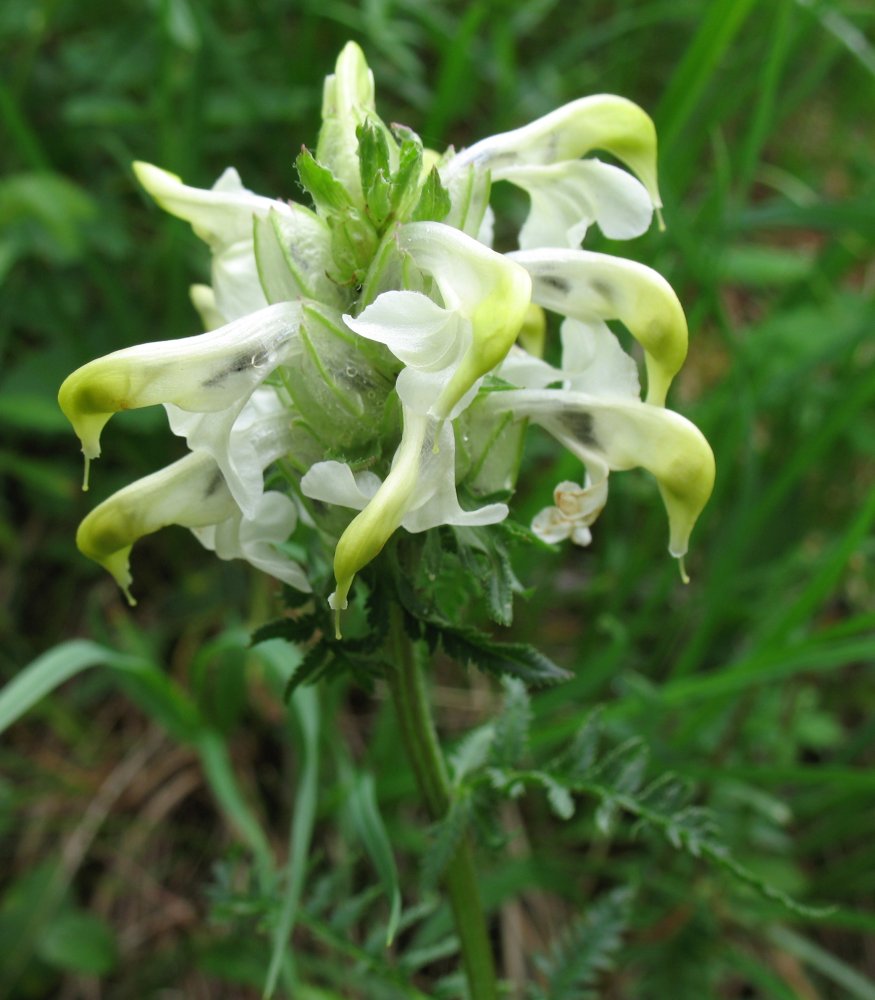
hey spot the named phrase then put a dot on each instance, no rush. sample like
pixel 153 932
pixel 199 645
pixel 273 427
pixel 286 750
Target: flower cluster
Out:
pixel 375 354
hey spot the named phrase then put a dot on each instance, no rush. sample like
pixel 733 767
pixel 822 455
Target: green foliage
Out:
pixel 588 949
pixel 494 761
pixel 328 193
pixel 510 730
pixel 425 618
pixel 79 941
pixel 375 170
pixel 447 836
pixel 434 201
pixel 502 659
pixel 365 813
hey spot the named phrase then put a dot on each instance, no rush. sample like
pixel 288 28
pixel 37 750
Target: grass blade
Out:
pixel 49 671
pixel 365 814
pixel 305 706
pixel 716 31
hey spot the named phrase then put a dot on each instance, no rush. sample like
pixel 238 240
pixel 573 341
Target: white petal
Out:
pixel 486 232
pixel 623 209
pixel 568 197
pixel 416 330
pixel 220 216
pixel 335 483
pixel 551 525
pixel 522 369
pixel 434 501
pixel 235 281
pixel 594 362
pixel 203 298
pixel 243 445
pixel 586 286
pixel 255 539
pixel 581 535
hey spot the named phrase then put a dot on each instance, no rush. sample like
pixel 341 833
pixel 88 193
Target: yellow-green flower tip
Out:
pixel 371 528
pixel 582 284
pixel 88 398
pixel 155 180
pixel 685 473
pixel 533 332
pixel 685 576
pixel 105 537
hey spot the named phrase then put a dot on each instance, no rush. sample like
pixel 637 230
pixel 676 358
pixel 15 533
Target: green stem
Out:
pixel 407 686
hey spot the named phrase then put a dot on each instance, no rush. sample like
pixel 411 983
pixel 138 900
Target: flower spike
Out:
pixel 375 354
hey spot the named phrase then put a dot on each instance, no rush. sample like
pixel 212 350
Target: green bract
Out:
pixel 375 354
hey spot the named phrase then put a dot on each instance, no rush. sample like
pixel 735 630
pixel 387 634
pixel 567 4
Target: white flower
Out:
pixel 192 493
pixel 263 250
pixel 448 348
pixel 577 507
pixel 567 195
pixel 315 317
pixel 214 373
pixel 586 286
pixel 617 434
pixel 418 493
pixel 593 406
pixel 432 500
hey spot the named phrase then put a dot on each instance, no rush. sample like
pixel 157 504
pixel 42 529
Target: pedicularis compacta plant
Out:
pixel 370 369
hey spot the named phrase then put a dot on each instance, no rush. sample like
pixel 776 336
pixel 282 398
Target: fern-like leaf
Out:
pixel 447 835
pixel 511 726
pixel 587 949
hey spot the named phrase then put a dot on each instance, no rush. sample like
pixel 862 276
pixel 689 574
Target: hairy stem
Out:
pixel 407 685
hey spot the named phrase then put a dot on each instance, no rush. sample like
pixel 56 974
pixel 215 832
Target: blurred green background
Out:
pixel 132 800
